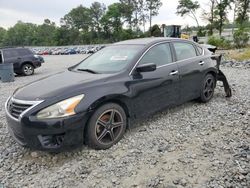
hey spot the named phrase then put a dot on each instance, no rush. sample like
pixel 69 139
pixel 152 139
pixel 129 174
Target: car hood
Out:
pixel 57 85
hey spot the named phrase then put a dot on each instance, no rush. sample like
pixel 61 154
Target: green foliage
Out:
pixel 156 31
pixel 83 25
pixel 243 10
pixel 44 34
pixel 209 15
pixel 201 32
pixel 78 18
pixel 219 42
pixel 21 34
pixel 220 13
pixel 2 36
pixel 127 9
pixel 241 38
pixel 97 10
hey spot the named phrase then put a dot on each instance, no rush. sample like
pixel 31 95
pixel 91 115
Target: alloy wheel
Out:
pixel 209 88
pixel 109 126
pixel 28 69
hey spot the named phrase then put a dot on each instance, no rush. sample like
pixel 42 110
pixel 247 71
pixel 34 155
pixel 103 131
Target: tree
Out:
pixel 221 11
pixel 209 16
pixel 152 6
pixel 156 31
pixel 97 10
pixel 188 8
pixel 243 10
pixel 112 20
pixel 241 38
pixel 65 36
pixel 78 18
pixel 22 34
pixel 128 8
pixel 44 34
pixel 2 35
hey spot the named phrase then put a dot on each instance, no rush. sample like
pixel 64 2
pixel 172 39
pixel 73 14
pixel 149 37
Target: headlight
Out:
pixel 60 109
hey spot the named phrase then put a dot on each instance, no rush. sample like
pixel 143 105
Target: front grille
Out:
pixel 16 109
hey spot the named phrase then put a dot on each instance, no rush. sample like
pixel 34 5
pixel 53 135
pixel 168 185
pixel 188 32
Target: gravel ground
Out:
pixel 192 145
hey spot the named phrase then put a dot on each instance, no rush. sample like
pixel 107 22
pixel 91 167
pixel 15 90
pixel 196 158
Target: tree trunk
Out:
pixel 195 18
pixel 234 18
pixel 150 22
pixel 220 26
pixel 212 18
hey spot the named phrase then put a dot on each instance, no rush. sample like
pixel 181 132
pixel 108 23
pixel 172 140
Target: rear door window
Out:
pixel 160 55
pixel 10 53
pixel 24 52
pixel 200 50
pixel 184 50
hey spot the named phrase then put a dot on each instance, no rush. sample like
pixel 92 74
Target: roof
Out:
pixel 10 48
pixel 148 41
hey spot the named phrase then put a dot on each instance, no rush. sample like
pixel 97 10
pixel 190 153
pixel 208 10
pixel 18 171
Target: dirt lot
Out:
pixel 192 145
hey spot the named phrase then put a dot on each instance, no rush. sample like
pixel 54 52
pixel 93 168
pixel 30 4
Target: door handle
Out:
pixel 173 73
pixel 201 63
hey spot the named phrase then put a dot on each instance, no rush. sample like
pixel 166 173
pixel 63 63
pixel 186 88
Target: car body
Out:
pixel 128 81
pixel 23 59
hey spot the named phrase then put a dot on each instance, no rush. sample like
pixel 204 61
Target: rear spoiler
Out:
pixel 221 76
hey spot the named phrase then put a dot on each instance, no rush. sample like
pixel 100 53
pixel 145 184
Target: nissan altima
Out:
pixel 95 101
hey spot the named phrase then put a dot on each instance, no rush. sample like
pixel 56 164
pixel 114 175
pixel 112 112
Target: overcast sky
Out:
pixel 35 11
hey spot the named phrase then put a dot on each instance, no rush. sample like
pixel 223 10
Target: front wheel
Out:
pixel 207 90
pixel 27 69
pixel 106 126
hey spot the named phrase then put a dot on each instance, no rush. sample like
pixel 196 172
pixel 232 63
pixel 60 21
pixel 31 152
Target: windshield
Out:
pixel 111 59
pixel 169 31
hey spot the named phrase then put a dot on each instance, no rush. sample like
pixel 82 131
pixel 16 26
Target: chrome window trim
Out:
pixel 33 103
pixel 130 73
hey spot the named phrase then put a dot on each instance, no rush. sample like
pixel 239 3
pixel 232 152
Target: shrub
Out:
pixel 201 32
pixel 219 42
pixel 241 38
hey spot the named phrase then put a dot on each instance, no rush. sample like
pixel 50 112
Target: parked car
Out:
pixel 95 101
pixel 23 60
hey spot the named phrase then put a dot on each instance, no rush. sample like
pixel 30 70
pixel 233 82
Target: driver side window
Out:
pixel 159 55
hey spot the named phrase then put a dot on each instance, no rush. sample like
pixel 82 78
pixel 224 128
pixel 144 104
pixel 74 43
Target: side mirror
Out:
pixel 149 67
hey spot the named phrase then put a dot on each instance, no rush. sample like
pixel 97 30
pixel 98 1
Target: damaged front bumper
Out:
pixel 221 77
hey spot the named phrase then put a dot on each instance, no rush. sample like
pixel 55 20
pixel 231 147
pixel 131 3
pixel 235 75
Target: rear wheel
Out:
pixel 106 126
pixel 27 69
pixel 207 90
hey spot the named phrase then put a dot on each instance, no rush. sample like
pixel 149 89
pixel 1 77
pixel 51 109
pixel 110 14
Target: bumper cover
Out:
pixel 221 76
pixel 50 135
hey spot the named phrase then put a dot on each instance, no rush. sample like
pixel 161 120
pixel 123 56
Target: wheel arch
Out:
pixel 118 99
pixel 213 72
pixel 27 62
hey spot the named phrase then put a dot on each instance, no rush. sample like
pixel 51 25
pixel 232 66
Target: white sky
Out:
pixel 35 11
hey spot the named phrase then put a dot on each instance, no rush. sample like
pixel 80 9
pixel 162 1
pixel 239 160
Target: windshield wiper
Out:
pixel 88 70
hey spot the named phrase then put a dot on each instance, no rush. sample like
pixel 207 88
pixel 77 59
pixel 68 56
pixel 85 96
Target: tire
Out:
pixel 207 90
pixel 27 69
pixel 103 131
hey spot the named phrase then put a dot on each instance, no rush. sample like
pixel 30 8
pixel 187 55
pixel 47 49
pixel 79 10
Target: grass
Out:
pixel 239 55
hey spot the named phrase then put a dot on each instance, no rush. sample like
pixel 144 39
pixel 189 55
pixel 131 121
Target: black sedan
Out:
pixel 95 101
